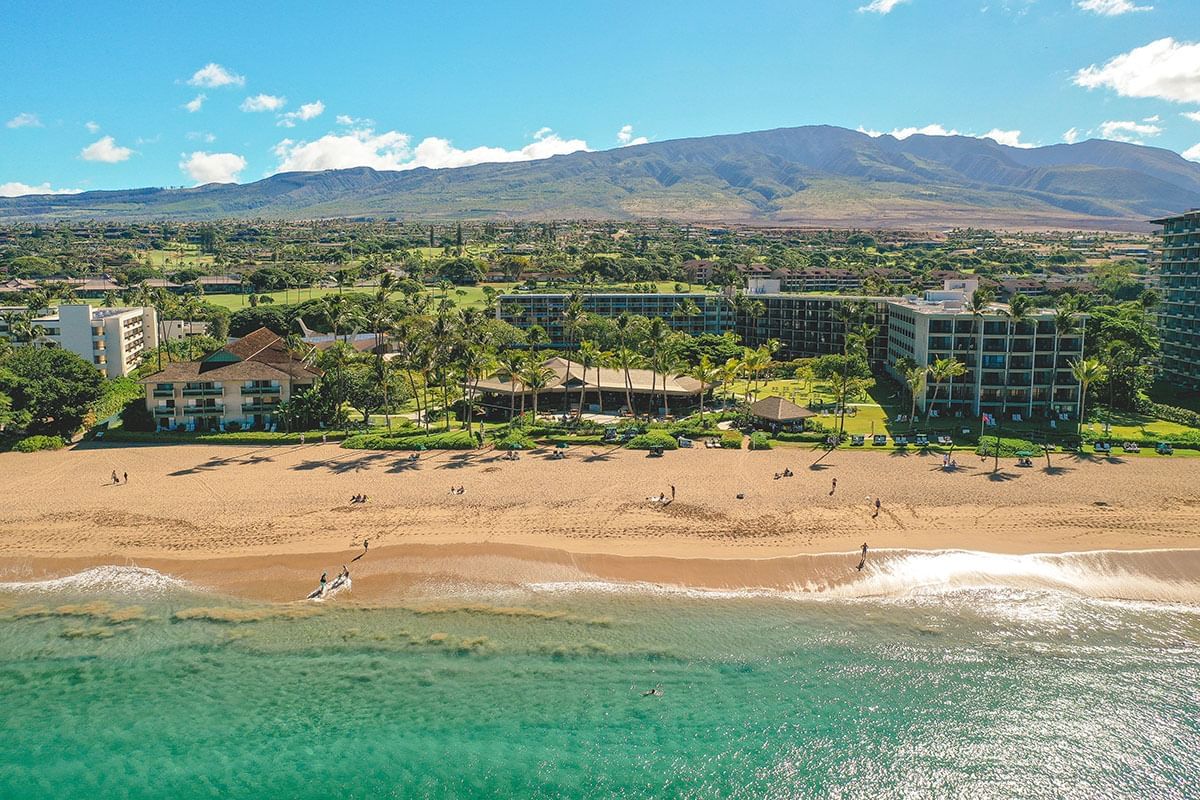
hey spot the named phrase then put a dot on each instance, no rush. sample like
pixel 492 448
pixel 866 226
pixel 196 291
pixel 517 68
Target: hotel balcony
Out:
pixel 260 390
pixel 259 408
pixel 211 391
pixel 160 411
pixel 164 393
pixel 203 410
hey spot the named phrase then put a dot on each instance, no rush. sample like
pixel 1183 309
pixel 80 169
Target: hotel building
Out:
pixel 110 338
pixel 243 382
pixel 1179 282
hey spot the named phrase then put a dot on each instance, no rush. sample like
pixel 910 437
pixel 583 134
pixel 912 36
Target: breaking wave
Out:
pixel 141 581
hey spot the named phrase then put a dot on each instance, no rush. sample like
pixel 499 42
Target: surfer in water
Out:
pixel 655 692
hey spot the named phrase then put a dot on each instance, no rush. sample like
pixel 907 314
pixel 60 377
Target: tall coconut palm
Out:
pixel 707 373
pixel 978 305
pixel 941 370
pixel 914 379
pixel 572 317
pixel 512 362
pixel 625 355
pixel 1065 324
pixel 1086 371
pixel 731 370
pixel 535 378
pixel 657 337
pixel 756 361
pixel 589 356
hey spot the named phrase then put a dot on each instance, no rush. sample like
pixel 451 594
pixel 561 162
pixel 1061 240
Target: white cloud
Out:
pixel 92 127
pixel 307 111
pixel 212 167
pixel 880 6
pixel 1165 69
pixel 1127 130
pixel 263 102
pixel 201 136
pixel 626 138
pixel 24 120
pixel 934 129
pixel 105 149
pixel 1010 138
pixel 18 189
pixel 1071 136
pixel 195 103
pixel 392 150
pixel 1110 8
pixel 213 76
pixel 1194 116
pixel 1192 153
pixel 1154 118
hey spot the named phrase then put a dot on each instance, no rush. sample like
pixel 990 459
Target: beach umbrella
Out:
pixel 1024 453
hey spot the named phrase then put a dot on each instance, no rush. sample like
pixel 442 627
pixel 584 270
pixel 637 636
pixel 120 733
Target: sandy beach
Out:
pixel 260 520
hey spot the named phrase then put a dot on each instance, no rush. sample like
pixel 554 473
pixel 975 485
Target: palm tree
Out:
pixel 731 370
pixel 656 340
pixel 625 357
pixel 512 362
pixel 1065 324
pixel 536 377
pixel 1086 371
pixel 914 379
pixel 755 360
pixel 589 356
pixel 706 373
pixel 941 370
pixel 572 316
pixel 1019 309
pixel 978 305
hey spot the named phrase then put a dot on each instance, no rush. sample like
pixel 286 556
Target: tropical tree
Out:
pixel 1065 324
pixel 707 373
pixel 914 379
pixel 535 378
pixel 1019 309
pixel 940 371
pixel 512 361
pixel 1086 372
pixel 590 355
pixel 572 317
pixel 978 305
pixel 731 370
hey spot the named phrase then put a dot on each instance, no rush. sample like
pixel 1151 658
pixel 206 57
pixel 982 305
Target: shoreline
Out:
pixel 265 521
pixel 399 574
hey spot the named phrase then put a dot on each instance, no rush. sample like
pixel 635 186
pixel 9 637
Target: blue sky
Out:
pixel 116 95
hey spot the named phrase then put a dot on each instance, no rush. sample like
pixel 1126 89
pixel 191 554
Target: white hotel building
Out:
pixel 110 338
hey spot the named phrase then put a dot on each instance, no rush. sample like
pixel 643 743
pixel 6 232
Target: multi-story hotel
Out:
pixel 243 382
pixel 709 313
pixel 1179 281
pixel 1022 370
pixel 110 338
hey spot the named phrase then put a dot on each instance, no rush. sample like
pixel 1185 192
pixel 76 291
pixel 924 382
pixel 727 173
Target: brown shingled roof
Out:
pixel 776 409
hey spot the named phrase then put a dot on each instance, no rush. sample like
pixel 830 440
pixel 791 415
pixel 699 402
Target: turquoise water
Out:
pixel 973 693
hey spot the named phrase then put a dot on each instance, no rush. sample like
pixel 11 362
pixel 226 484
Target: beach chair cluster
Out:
pixel 712 444
pixel 1131 447
pixel 1103 447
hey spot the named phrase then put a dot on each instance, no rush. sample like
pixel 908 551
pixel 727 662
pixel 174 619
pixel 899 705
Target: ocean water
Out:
pixel 126 684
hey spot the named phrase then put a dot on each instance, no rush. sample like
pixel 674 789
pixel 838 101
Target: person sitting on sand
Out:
pixel 787 472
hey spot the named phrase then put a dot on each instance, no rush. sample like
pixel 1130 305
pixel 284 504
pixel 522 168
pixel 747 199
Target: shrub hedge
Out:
pixel 32 444
pixel 454 440
pixel 653 439
pixel 731 440
pixel 759 441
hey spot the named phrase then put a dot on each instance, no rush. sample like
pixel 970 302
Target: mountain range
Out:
pixel 807 176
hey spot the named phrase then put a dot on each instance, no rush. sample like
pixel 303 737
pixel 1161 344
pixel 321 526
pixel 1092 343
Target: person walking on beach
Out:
pixel 324 580
pixel 876 514
pixel 833 488
pixel 114 477
pixel 127 477
pixel 672 491
pixel 862 562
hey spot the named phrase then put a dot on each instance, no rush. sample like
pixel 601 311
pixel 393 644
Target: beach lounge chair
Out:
pixel 879 440
pixel 1164 449
pixel 684 442
pixel 922 440
pixel 856 440
pixel 1131 447
pixel 1103 447
pixel 900 441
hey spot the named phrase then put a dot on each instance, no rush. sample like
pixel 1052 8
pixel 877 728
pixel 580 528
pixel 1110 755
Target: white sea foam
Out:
pixel 1154 576
pixel 141 581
